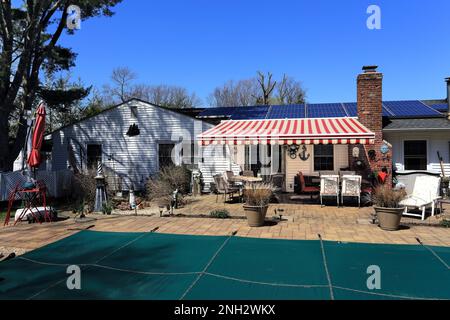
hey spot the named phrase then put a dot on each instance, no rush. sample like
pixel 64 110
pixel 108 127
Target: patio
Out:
pixel 300 222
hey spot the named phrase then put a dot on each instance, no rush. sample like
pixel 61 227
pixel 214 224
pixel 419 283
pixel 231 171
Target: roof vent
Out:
pixel 370 69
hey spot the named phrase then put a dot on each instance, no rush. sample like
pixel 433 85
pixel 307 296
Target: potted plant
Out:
pixel 388 208
pixel 257 198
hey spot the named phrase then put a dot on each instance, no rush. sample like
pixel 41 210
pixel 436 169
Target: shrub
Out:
pixel 445 223
pixel 220 214
pixel 169 179
pixel 387 197
pixel 107 208
pixel 84 189
pixel 258 195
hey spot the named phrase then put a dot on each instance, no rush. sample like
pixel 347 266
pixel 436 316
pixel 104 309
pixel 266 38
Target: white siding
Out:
pixel 436 141
pixel 133 159
pixel 217 160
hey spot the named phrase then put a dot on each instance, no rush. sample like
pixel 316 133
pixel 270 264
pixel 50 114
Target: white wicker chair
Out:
pixel 329 187
pixel 351 187
pixel 425 195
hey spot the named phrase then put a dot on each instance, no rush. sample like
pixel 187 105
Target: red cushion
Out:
pixel 311 189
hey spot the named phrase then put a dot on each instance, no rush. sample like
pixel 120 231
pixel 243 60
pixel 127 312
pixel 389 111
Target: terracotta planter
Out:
pixel 389 218
pixel 255 215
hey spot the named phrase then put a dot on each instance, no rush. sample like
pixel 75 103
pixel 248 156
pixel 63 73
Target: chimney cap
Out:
pixel 368 69
pixel 447 80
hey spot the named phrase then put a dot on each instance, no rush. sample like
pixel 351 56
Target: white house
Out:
pixel 133 141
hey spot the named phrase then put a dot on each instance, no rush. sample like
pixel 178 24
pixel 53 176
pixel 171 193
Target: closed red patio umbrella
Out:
pixel 34 159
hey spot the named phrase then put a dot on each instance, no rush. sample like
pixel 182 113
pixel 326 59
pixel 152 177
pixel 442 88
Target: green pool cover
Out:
pixel 171 267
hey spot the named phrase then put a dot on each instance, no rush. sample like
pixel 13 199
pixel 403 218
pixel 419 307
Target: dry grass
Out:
pixel 258 194
pixel 387 197
pixel 84 188
pixel 169 179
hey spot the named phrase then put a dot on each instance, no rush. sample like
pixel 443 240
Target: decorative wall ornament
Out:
pixel 133 130
pixel 293 149
pixel 372 155
pixel 384 149
pixel 303 156
pixel 355 152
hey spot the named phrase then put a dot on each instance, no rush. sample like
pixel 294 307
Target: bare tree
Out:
pixel 267 85
pixel 290 91
pixel 167 96
pixel 261 90
pixel 124 89
pixel 122 79
pixel 241 93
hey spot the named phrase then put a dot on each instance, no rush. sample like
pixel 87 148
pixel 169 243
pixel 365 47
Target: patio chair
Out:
pixel 425 195
pixel 304 189
pixel 228 175
pixel 277 180
pixel 222 187
pixel 351 187
pixel 329 187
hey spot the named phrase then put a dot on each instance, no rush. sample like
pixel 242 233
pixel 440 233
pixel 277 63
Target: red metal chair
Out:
pixel 32 198
pixel 304 189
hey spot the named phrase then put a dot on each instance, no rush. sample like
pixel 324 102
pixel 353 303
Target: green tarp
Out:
pixel 171 267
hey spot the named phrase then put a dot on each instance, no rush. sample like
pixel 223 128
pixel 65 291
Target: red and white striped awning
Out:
pixel 288 132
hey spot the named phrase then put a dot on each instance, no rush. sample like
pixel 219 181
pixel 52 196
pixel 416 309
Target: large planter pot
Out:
pixel 389 218
pixel 255 215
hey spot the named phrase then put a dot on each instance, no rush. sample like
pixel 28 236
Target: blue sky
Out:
pixel 200 44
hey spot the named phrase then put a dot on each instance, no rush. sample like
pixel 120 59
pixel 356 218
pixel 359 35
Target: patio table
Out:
pixel 246 179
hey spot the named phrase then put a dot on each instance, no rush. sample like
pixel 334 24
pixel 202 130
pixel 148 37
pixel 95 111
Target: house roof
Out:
pixel 191 112
pixel 423 124
pixel 391 109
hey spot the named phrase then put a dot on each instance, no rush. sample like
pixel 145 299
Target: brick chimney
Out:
pixel 370 114
pixel 448 96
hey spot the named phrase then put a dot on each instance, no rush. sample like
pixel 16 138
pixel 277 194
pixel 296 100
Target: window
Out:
pixel 415 155
pixel 188 154
pixel 165 155
pixel 323 158
pixel 94 155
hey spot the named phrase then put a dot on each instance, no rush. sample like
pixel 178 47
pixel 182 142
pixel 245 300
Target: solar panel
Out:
pixel 352 109
pixel 217 112
pixel 392 109
pixel 250 113
pixel 286 112
pixel 410 109
pixel 443 107
pixel 325 110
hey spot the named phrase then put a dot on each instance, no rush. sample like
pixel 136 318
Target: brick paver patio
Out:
pixel 303 222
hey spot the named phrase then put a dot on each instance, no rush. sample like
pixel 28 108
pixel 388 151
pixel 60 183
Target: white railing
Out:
pixel 436 167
